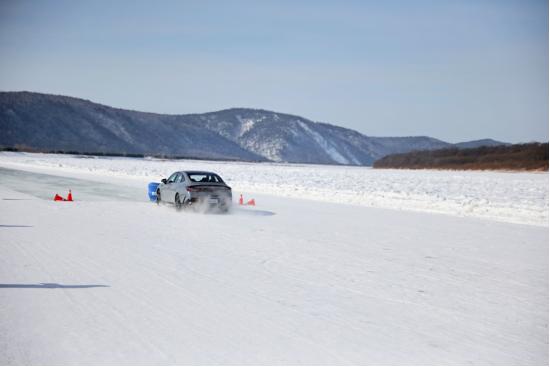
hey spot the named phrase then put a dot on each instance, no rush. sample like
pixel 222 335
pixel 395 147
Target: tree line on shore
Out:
pixel 517 157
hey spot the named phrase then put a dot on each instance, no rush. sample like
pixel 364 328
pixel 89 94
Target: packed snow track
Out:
pixel 114 279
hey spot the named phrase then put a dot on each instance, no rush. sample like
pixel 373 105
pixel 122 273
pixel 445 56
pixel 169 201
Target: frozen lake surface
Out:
pixel 114 279
pixel 514 197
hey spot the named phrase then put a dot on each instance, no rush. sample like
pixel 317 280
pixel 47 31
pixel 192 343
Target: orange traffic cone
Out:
pixel 241 201
pixel 57 198
pixel 70 197
pixel 251 202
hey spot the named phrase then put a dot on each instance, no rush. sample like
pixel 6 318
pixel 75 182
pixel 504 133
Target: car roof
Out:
pixel 199 173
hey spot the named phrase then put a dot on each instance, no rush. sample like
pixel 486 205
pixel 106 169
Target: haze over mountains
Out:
pixel 59 123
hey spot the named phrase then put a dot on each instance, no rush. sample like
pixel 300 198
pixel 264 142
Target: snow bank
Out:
pixel 503 196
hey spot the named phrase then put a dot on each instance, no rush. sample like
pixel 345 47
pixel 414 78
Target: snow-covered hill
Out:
pixel 58 123
pixel 48 122
pixel 287 138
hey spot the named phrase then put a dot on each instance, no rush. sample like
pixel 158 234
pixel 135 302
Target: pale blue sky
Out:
pixel 454 70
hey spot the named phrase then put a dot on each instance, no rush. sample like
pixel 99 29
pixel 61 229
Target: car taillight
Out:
pixel 192 189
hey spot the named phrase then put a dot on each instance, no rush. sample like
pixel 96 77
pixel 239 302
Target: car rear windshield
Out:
pixel 204 177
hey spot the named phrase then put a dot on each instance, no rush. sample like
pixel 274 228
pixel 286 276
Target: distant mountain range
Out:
pixel 47 122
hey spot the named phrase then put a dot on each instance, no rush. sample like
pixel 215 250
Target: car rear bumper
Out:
pixel 209 199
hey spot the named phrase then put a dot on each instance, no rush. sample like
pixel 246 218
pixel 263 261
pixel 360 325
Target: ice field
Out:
pixel 335 265
pixel 503 196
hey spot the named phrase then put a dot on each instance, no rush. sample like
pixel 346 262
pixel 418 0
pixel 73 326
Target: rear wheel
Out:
pixel 223 208
pixel 177 202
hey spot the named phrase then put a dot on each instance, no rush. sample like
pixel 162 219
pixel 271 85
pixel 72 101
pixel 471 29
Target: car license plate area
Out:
pixel 212 201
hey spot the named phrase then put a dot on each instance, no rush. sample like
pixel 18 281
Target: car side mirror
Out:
pixel 163 181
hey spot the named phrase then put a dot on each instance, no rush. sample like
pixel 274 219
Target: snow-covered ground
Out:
pixel 113 279
pixel 503 196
